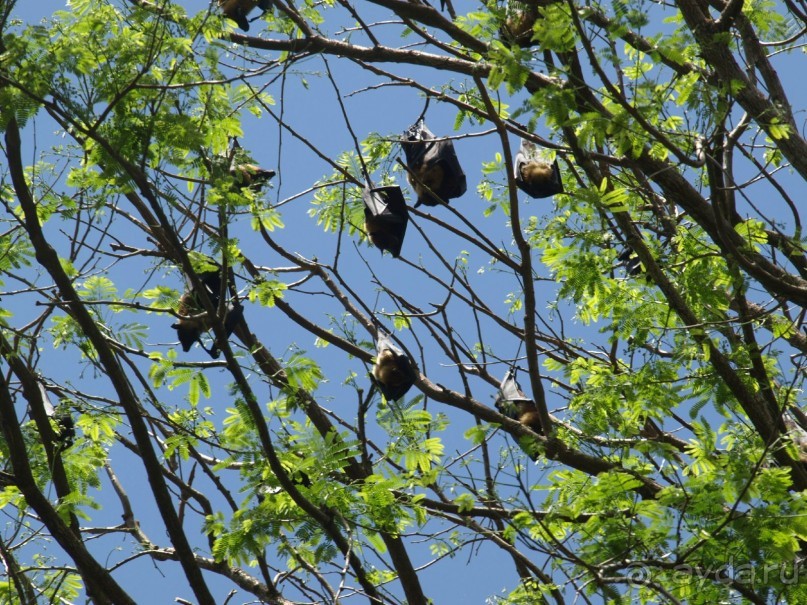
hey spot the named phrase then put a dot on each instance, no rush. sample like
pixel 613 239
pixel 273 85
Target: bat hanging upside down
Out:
pixel 536 172
pixel 519 25
pixel 534 175
pixel 527 414
pixel 388 371
pixel 393 371
pixel 196 321
pixel 385 218
pixel 193 321
pixel 237 10
pixel 514 403
pixel 427 180
pixel 65 427
pixel 380 231
pixel 251 175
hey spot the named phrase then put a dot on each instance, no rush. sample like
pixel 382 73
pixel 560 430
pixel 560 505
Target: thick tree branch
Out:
pixel 49 260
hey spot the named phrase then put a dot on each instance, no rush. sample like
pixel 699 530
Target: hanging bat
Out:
pixel 393 371
pixel 235 162
pixel 519 22
pixel 427 180
pixel 247 174
pixel 520 17
pixel 193 319
pixel 536 173
pixel 66 431
pixel 628 259
pixel 434 171
pixel 527 414
pixel 385 218
pixel 193 322
pixel 237 10
pixel 513 403
pixel 251 175
pixel 234 314
pixel 533 175
pixel 391 375
pixel 380 232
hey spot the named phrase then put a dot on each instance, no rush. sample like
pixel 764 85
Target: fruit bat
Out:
pixel 628 259
pixel 234 314
pixel 434 170
pixel 237 164
pixel 393 373
pixel 246 174
pixel 251 175
pixel 519 19
pixel 194 320
pixel 535 176
pixel 66 432
pixel 425 180
pixel 237 10
pixel 385 218
pixel 513 403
